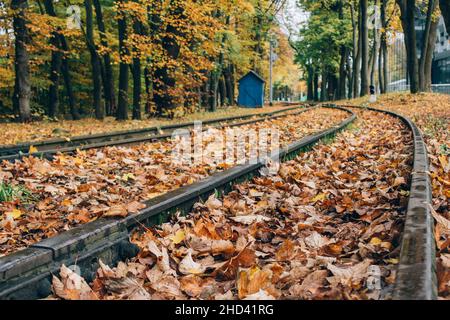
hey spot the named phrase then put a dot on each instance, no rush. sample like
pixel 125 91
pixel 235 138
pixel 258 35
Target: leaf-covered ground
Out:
pixel 13 133
pixel 431 113
pixel 71 190
pixel 328 226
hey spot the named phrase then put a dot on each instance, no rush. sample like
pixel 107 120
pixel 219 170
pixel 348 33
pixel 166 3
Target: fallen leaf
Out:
pixel 349 274
pixel 119 210
pixel 32 150
pixel 260 295
pixel 135 206
pixel 319 197
pixel 178 237
pixel 315 240
pixel 249 219
pixel 72 286
pixel 189 266
pixel 440 219
pixel 375 241
pixel 14 214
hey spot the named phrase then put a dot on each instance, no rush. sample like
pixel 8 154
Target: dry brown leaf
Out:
pixel 119 210
pixel 72 286
pixel 346 275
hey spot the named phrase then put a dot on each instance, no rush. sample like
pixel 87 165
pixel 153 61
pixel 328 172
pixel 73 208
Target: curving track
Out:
pixel 26 274
pixel 416 279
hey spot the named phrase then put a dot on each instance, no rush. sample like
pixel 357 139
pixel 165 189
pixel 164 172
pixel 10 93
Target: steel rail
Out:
pixel 416 275
pixel 27 274
pixel 120 138
pixel 83 139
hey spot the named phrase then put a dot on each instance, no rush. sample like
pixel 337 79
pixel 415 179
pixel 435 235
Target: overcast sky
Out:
pixel 291 17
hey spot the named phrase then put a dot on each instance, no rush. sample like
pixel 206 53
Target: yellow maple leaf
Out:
pixel 178 237
pixel 443 161
pixel 253 271
pixel 32 149
pixel 375 241
pixel 392 261
pixel 319 197
pixel 15 214
pixel 128 176
pixel 66 202
pixel 78 161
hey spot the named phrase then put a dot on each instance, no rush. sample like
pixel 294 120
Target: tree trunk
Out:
pixel 364 48
pixel 323 87
pixel 148 91
pixel 213 89
pixel 429 58
pixel 137 115
pixel 385 67
pixel 330 88
pixel 380 69
pixel 310 93
pixel 55 70
pixel 342 74
pixel 445 9
pixel 165 79
pixel 55 65
pixel 222 91
pixel 316 86
pixel 349 78
pixel 356 52
pixel 122 107
pixel 229 85
pixel 352 54
pixel 407 9
pixel 63 46
pixel 383 61
pixel 217 72
pixel 374 60
pixel 344 53
pixel 213 85
pixel 108 77
pixel 95 63
pixel 204 99
pixel 233 84
pixel 68 81
pixel 428 45
pixel 154 22
pixel 22 88
pixel 258 38
pixel 374 57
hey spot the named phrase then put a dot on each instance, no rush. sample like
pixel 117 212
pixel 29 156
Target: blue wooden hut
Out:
pixel 251 91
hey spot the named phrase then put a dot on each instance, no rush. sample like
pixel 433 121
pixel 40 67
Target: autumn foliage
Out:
pixel 149 57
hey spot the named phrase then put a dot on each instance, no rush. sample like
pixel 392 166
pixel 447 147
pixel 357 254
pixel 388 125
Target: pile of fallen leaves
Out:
pixel 112 181
pixel 431 113
pixel 327 226
pixel 13 133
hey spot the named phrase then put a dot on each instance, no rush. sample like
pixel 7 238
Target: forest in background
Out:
pixel 131 59
pixel 135 58
pixel 344 46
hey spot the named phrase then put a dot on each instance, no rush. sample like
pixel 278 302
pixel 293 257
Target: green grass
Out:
pixel 353 127
pixel 433 125
pixel 444 150
pixel 9 192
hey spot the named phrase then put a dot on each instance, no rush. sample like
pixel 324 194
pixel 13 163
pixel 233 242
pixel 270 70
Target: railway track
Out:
pixel 416 275
pixel 27 274
pixel 48 148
